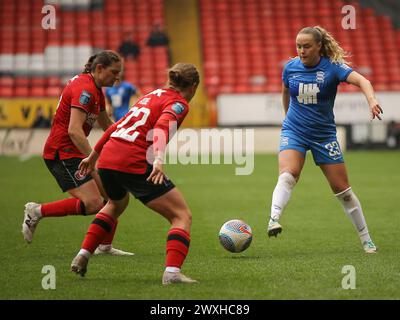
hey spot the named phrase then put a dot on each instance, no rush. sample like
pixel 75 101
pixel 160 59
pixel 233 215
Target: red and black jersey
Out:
pixel 80 92
pixel 129 141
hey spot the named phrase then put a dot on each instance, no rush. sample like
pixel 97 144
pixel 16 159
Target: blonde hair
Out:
pixel 330 47
pixel 183 75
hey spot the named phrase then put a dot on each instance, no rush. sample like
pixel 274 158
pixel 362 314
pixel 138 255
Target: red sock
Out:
pixel 101 226
pixel 65 207
pixel 178 241
pixel 110 236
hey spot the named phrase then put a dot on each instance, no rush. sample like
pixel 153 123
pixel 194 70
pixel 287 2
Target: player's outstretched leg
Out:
pixel 280 198
pixel 178 241
pixel 352 207
pixel 98 229
pixel 173 207
pixel 32 217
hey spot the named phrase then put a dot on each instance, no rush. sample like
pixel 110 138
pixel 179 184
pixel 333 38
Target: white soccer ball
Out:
pixel 235 236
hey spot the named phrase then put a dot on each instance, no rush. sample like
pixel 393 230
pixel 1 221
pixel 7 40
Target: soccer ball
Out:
pixel 235 236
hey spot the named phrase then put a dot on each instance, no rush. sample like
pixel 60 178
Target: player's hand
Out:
pixel 86 166
pixel 157 175
pixel 375 110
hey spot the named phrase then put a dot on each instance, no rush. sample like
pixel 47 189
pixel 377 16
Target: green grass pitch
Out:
pixel 304 262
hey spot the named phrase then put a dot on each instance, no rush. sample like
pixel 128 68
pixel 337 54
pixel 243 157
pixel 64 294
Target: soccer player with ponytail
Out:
pixel 130 158
pixel 308 93
pixel 81 104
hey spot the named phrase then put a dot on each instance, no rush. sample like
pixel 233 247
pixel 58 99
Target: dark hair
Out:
pixel 105 58
pixel 183 75
pixel 330 47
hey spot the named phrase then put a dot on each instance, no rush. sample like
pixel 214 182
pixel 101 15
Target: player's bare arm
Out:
pixel 109 108
pixel 75 131
pixel 285 98
pixel 87 165
pixel 104 120
pixel 364 84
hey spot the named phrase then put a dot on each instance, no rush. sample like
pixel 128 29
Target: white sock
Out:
pixel 85 253
pixel 352 207
pixel 172 269
pixel 281 194
pixel 105 247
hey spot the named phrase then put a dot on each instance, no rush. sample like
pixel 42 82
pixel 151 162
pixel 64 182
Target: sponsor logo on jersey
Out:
pixel 79 176
pixel 178 108
pixel 308 93
pixel 320 77
pixel 85 97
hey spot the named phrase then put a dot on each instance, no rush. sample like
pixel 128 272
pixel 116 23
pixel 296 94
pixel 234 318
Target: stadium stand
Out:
pixel 246 43
pixel 36 62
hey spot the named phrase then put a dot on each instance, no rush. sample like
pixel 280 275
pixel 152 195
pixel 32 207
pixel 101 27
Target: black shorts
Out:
pixel 66 172
pixel 117 184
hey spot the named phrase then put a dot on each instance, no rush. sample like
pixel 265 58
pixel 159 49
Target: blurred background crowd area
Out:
pixel 239 46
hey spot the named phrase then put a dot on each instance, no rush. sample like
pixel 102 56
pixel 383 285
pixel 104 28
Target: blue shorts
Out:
pixel 324 152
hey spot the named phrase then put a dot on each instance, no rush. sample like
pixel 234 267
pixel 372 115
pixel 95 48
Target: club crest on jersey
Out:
pixel 320 77
pixel 79 176
pixel 178 108
pixel 85 97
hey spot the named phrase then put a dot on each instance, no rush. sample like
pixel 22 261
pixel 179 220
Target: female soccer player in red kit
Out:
pixel 130 159
pixel 81 104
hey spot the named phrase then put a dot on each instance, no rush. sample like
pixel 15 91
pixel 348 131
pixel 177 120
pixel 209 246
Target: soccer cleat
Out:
pixel 274 228
pixel 30 222
pixel 176 277
pixel 79 265
pixel 369 247
pixel 112 251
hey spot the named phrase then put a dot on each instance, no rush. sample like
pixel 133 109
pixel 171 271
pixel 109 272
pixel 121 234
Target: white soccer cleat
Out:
pixel 79 265
pixel 274 228
pixel 369 247
pixel 30 222
pixel 176 277
pixel 112 251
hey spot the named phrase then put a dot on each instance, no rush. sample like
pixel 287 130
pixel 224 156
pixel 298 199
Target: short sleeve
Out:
pixel 285 76
pixel 82 98
pixel 342 71
pixel 178 109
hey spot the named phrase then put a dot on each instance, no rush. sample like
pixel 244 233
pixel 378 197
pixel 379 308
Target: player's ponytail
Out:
pixel 330 47
pixel 183 75
pixel 105 58
pixel 89 63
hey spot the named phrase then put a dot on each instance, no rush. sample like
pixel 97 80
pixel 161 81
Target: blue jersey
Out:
pixel 312 96
pixel 119 97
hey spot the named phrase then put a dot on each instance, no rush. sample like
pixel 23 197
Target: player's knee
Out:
pixel 288 179
pixel 93 205
pixel 184 217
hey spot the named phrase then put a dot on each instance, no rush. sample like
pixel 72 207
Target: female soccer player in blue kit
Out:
pixel 308 93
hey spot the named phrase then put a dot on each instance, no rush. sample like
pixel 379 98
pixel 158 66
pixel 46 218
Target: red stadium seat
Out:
pixel 260 36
